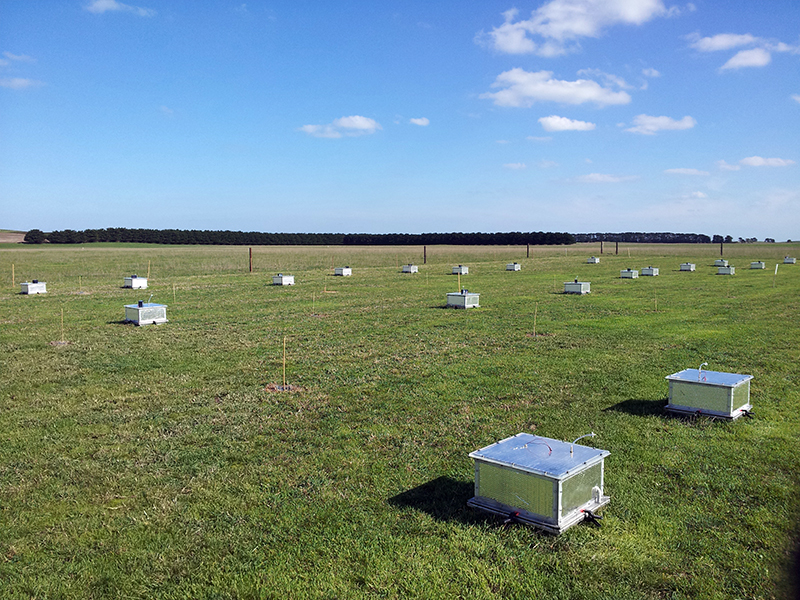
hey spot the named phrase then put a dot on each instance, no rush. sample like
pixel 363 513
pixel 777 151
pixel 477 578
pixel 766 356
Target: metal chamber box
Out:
pixel 687 266
pixel 629 274
pixel 281 279
pixel 513 267
pixel 788 260
pixel 720 263
pixel 758 265
pixel 460 270
pixel 410 269
pixel 577 287
pixel 135 282
pixel 713 393
pixel 146 313
pixel 539 478
pixel 343 271
pixel 726 270
pixel 33 287
pixel 650 271
pixel 593 260
pixel 463 299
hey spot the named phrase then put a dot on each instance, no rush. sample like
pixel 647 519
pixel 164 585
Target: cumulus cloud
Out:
pixel 757 161
pixel 555 27
pixel 647 125
pixel 686 172
pixel 422 122
pixel 19 83
pixel 101 6
pixel 722 41
pixel 603 178
pixel 755 57
pixel 515 166
pixel 524 88
pixel 345 126
pixel 554 123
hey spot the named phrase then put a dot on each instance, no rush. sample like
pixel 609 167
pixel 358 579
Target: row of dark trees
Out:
pixel 649 238
pixel 255 238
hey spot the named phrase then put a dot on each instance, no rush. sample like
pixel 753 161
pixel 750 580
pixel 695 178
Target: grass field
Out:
pixel 154 462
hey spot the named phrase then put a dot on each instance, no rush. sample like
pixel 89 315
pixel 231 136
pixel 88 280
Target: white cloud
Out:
pixel 560 23
pixel 524 88
pixel 650 72
pixel 686 172
pixel 796 98
pixel 724 166
pixel 101 6
pixel 554 123
pixel 647 125
pixel 502 142
pixel 722 41
pixel 515 166
pixel 537 138
pixel 757 161
pixel 755 57
pixel 609 79
pixel 350 126
pixel 18 83
pixel 603 178
pixel 696 195
pixel 19 57
pixel 422 122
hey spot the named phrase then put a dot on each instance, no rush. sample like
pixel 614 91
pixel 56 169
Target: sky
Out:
pixel 379 117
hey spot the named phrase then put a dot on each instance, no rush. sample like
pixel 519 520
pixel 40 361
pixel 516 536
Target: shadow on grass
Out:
pixel 443 498
pixel 122 322
pixel 640 407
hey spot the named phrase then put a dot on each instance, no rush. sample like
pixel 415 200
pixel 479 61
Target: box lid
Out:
pixel 145 305
pixel 709 377
pixel 540 455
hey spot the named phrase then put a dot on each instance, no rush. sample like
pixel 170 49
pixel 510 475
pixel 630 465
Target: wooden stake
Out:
pixel 535 310
pixel 629 252
pixel 459 282
pixel 251 260
pixel 424 255
pixel 655 299
pixel 529 252
pixel 148 270
pixel 284 362
pixel 12 276
pixel 62 325
pixel 80 284
pixel 775 276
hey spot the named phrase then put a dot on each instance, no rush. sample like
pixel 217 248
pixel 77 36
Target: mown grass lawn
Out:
pixel 154 461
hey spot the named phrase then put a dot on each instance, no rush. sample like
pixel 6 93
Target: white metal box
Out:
pixel 135 282
pixel 463 299
pixel 758 264
pixel 687 266
pixel 726 270
pixel 460 270
pixel 33 287
pixel 711 393
pixel 281 279
pixel 788 260
pixel 593 260
pixel 577 287
pixel 513 267
pixel 343 271
pixel 146 313
pixel 720 263
pixel 540 481
pixel 650 271
pixel 629 274
pixel 410 269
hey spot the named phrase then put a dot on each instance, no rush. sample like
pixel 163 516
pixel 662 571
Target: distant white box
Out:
pixel 410 269
pixel 720 263
pixel 34 287
pixel 650 271
pixel 593 260
pixel 758 264
pixel 343 271
pixel 629 274
pixel 135 282
pixel 513 267
pixel 726 270
pixel 463 299
pixel 460 270
pixel 146 313
pixel 281 279
pixel 788 260
pixel 688 266
pixel 577 287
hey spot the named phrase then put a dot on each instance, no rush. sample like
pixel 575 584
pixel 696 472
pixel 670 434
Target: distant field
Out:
pixel 155 462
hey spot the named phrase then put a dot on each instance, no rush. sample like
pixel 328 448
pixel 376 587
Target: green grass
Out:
pixel 151 462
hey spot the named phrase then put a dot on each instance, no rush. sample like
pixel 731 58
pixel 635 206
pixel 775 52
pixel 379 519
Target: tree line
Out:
pixel 255 238
pixel 647 238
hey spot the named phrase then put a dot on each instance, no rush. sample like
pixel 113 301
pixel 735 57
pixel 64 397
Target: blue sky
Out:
pixel 567 115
